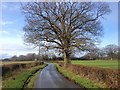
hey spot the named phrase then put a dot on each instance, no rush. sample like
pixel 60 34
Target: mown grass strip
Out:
pixel 82 81
pixel 21 77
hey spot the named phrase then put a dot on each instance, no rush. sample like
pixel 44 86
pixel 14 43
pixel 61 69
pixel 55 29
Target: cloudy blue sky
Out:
pixel 13 20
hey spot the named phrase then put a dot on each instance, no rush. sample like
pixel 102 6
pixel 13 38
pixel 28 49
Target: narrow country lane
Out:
pixel 49 77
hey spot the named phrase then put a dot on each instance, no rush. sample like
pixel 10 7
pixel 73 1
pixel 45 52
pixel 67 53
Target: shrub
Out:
pixel 107 76
pixel 13 67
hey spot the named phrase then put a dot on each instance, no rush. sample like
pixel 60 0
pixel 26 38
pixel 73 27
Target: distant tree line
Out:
pixel 33 56
pixel 109 52
pixel 30 56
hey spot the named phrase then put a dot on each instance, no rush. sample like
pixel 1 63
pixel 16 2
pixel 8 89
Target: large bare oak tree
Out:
pixel 64 25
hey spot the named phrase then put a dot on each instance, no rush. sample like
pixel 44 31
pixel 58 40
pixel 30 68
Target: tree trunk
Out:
pixel 66 59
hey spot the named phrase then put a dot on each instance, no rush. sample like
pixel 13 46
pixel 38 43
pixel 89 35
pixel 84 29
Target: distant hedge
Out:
pixel 108 76
pixel 13 67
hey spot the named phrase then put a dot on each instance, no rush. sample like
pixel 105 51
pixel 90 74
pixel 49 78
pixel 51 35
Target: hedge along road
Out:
pixel 49 77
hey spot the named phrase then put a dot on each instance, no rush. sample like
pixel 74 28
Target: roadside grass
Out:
pixel 30 82
pixel 112 64
pixel 19 79
pixel 82 81
pixel 16 81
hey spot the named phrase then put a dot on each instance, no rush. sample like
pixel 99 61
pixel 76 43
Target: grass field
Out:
pixel 14 62
pixel 98 63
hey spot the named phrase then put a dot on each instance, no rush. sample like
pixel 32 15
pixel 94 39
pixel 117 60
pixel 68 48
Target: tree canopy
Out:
pixel 64 25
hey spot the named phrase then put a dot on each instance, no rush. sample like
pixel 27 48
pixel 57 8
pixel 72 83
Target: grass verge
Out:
pixel 31 80
pixel 20 78
pixel 82 81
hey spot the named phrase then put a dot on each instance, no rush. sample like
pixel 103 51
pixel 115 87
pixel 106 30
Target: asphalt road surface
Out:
pixel 49 77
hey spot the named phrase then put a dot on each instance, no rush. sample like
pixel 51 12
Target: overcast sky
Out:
pixel 13 21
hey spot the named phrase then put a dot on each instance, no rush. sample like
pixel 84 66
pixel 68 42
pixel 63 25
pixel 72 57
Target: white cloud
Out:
pixel 3 32
pixel 14 47
pixel 11 33
pixel 4 55
pixel 6 22
pixel 3 6
pixel 10 6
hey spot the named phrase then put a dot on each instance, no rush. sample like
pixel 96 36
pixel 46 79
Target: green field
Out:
pixel 14 62
pixel 98 63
